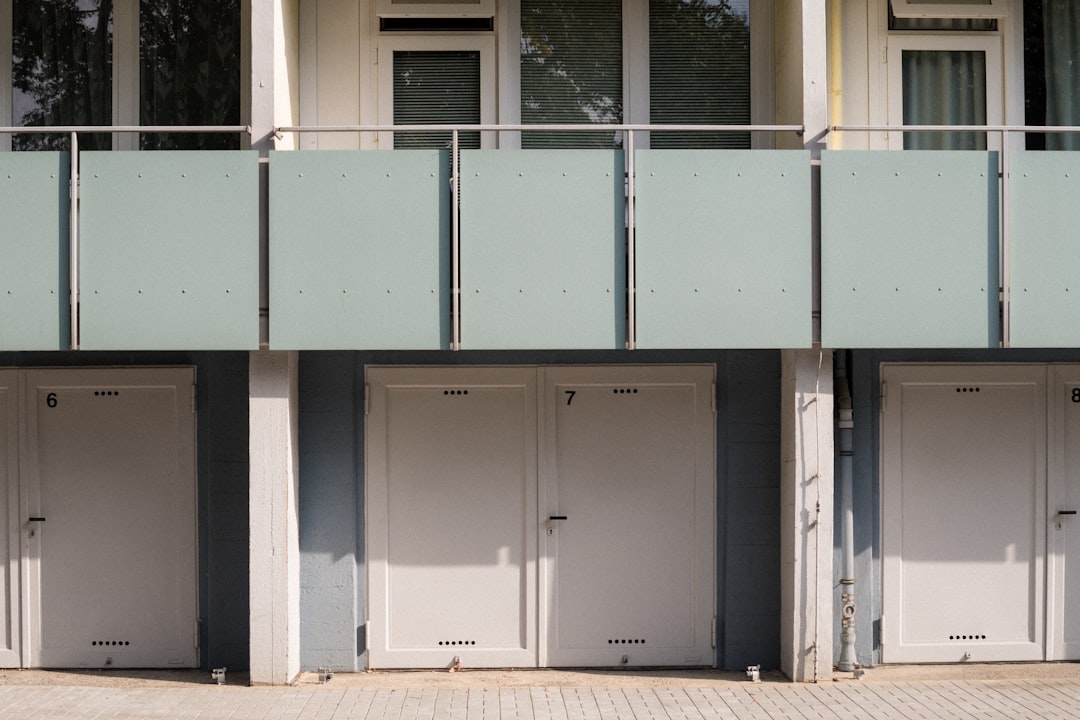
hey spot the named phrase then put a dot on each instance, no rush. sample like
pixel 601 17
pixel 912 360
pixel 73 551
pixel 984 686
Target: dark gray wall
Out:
pixel 332 595
pixel 222 438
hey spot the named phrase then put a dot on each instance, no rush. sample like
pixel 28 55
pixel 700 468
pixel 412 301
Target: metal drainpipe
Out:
pixel 845 428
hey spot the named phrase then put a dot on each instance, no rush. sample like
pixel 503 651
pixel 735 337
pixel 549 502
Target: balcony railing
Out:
pixel 539 249
pixel 623 247
pixel 950 248
pixel 128 250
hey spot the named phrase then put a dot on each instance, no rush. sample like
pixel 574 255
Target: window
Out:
pixel 584 62
pixel 949 77
pixel 964 9
pixel 122 62
pixel 699 70
pixel 571 70
pixel 430 79
pixel 1052 70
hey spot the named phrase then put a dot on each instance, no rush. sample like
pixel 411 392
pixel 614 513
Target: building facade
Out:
pixel 529 333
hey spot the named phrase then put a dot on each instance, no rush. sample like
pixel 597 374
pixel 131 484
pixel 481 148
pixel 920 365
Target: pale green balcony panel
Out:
pixel 543 249
pixel 1045 252
pixel 909 249
pixel 169 250
pixel 34 206
pixel 723 249
pixel 359 250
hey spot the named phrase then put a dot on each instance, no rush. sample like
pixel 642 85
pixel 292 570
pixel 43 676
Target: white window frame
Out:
pixel 636 91
pixel 125 76
pixel 957 10
pixel 1005 70
pixel 389 43
pixel 990 45
pixel 446 8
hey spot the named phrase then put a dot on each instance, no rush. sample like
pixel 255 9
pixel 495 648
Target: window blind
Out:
pixel 436 87
pixel 699 70
pixel 571 70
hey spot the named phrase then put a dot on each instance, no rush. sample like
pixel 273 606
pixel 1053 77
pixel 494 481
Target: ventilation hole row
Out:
pixel 110 643
pixel 967 390
pixel 640 641
pixel 455 392
pixel 625 391
pixel 106 393
pixel 967 637
pixel 456 643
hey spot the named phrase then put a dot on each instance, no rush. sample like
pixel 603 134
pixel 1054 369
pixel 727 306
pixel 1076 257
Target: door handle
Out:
pixel 35 519
pixel 1066 512
pixel 556 517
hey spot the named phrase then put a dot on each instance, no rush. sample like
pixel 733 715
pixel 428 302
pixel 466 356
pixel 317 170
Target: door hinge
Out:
pixel 194 399
pixel 884 395
pixel 714 632
pixel 367 399
pixel 198 633
pixel 714 412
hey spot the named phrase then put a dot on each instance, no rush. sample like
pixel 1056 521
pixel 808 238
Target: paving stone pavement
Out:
pixel 945 699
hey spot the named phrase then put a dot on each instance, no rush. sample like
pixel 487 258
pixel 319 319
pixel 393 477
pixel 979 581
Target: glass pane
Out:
pixel 189 70
pixel 944 87
pixel 1052 71
pixel 61 70
pixel 436 87
pixel 571 70
pixel 699 70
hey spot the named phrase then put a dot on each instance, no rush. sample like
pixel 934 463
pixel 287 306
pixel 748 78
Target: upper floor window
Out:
pixel 1052 70
pixel 121 62
pixel 601 62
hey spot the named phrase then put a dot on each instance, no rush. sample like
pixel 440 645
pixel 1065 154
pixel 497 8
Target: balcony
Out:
pixel 537 249
pixel 960 249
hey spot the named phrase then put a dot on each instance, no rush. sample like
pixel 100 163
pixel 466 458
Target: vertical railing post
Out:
pixel 455 248
pixel 631 259
pixel 1006 240
pixel 73 241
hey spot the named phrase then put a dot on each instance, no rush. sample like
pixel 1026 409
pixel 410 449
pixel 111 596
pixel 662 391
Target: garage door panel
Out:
pixel 963 531
pixel 452 529
pixel 630 569
pixel 10 544
pixel 1063 616
pixel 111 469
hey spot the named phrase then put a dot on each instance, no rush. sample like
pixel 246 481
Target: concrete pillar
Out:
pixel 806 515
pixel 270 95
pixel 274 550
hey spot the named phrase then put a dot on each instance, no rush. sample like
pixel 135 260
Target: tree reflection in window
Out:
pixel 61 69
pixel 189 70
pixel 699 70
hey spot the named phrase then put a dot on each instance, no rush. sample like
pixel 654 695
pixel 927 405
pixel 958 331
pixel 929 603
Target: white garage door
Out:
pixel 1063 521
pixel 10 650
pixel 583 538
pixel 629 465
pixel 109 474
pixel 963 483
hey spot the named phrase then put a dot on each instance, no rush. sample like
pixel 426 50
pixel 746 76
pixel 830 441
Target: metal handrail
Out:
pixel 580 127
pixel 105 129
pixel 1033 129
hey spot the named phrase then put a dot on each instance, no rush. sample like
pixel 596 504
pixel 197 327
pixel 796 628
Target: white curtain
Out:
pixel 1061 44
pixel 944 87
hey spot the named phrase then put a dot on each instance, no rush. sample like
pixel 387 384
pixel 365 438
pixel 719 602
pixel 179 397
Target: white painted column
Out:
pixel 274 550
pixel 270 93
pixel 806 484
pixel 806 516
